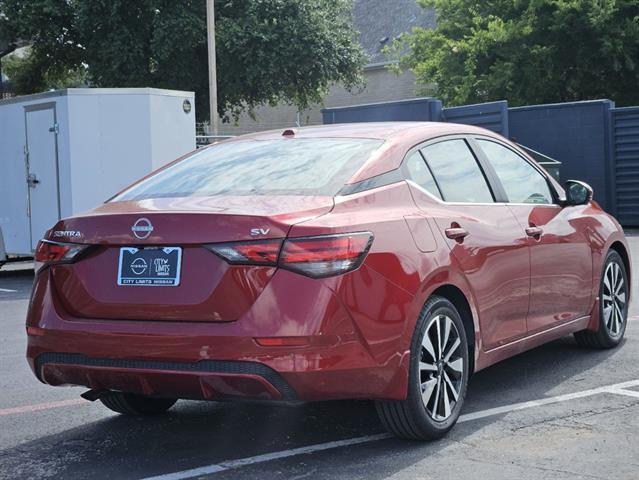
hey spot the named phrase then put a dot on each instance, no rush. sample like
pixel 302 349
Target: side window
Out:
pixel 521 181
pixel 418 172
pixel 457 172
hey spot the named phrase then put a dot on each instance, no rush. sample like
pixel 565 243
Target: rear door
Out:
pixel 42 169
pixel 561 258
pixel 485 238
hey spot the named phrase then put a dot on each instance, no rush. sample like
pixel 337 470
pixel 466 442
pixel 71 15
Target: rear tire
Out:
pixel 133 404
pixel 613 306
pixel 438 376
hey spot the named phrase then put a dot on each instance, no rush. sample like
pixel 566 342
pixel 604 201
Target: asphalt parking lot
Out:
pixel 557 412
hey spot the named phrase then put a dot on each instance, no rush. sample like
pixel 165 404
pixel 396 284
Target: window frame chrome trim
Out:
pixel 487 175
pixel 545 175
pixel 483 204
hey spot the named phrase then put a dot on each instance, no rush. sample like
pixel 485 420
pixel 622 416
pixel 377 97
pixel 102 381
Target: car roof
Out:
pixel 398 137
pixel 379 130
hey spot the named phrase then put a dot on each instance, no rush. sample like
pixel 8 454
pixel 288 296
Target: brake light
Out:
pixel 325 256
pixel 316 257
pixel 249 253
pixel 48 252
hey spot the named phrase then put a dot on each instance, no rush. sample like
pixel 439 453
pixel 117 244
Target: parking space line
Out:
pixel 42 406
pixel 267 457
pixel 628 393
pixel 617 388
pixel 546 401
pixel 7 290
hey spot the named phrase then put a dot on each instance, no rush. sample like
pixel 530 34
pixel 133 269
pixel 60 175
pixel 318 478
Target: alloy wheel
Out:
pixel 441 367
pixel 613 298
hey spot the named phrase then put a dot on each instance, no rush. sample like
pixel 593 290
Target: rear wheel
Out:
pixel 613 306
pixel 438 376
pixel 133 404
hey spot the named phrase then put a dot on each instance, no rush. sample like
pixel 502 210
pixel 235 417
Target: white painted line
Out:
pixel 546 401
pixel 42 406
pixel 267 457
pixel 7 290
pixel 628 393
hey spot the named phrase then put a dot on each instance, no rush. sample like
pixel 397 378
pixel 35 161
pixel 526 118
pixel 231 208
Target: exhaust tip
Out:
pixel 96 394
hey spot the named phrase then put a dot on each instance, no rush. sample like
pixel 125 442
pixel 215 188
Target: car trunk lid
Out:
pixel 209 288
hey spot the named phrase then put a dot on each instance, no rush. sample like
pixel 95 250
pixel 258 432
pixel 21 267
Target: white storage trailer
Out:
pixel 66 151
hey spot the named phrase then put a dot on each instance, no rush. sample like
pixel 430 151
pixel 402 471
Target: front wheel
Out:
pixel 613 306
pixel 438 376
pixel 133 404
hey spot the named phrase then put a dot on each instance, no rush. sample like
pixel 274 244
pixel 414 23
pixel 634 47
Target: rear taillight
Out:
pixel 325 256
pixel 316 257
pixel 48 252
pixel 263 252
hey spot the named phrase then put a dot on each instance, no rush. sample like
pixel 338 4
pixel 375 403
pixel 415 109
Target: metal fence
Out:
pixel 204 140
pixel 593 140
pixel 624 127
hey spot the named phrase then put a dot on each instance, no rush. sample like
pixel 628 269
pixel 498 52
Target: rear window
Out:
pixel 317 166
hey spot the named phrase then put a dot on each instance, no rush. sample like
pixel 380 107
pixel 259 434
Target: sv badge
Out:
pixel 260 231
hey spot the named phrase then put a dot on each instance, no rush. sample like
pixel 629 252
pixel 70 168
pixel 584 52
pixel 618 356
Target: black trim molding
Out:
pixel 207 366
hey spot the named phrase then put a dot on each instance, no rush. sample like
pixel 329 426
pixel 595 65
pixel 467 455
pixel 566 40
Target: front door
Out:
pixel 42 169
pixel 561 264
pixel 560 255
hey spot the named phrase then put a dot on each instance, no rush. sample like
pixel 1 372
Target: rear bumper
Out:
pixel 208 379
pixel 218 360
pixel 285 374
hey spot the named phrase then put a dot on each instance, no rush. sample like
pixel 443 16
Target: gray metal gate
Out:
pixel 624 125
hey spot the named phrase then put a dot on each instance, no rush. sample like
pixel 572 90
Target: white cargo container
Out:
pixel 65 152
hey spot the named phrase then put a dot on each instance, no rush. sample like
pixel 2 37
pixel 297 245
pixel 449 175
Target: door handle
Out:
pixel 534 231
pixel 456 233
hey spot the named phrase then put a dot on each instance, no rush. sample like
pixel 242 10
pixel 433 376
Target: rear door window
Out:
pixel 419 173
pixel 458 175
pixel 312 166
pixel 521 181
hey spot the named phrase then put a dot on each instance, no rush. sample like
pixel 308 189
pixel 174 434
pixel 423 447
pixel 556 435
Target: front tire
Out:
pixel 138 405
pixel 438 376
pixel 613 306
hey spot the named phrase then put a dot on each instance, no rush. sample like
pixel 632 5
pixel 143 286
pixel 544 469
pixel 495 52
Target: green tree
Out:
pixel 54 60
pixel 269 51
pixel 527 51
pixel 28 76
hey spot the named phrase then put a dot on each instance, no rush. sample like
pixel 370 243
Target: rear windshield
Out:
pixel 317 166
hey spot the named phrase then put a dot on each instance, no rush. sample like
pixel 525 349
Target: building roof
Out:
pixel 381 21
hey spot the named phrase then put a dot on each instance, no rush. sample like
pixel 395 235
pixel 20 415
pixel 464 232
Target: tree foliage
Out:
pixel 54 57
pixel 268 51
pixel 527 51
pixel 28 75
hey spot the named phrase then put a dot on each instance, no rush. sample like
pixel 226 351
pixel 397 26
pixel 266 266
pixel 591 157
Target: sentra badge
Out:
pixel 67 233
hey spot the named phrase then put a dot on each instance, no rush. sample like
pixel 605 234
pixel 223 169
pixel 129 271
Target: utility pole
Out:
pixel 210 28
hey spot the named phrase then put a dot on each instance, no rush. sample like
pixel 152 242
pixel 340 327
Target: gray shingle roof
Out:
pixel 379 20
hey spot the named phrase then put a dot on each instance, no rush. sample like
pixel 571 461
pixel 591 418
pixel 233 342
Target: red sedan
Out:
pixel 383 261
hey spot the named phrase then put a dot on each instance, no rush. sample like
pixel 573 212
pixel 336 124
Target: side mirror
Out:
pixel 577 193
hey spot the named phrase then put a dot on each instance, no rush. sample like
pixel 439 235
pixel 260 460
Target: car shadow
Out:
pixel 195 434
